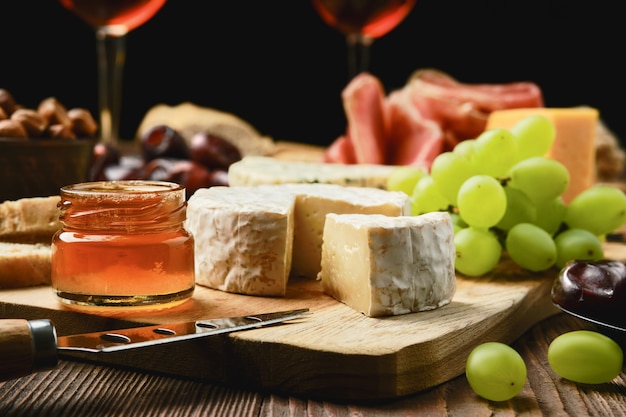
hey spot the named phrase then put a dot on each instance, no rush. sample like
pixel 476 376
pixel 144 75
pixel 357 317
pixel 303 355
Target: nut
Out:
pixel 7 102
pixel 10 128
pixel 83 123
pixel 54 112
pixel 59 131
pixel 33 122
pixel 50 120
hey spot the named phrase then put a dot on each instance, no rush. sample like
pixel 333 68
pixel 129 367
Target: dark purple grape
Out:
pixel 593 289
pixel 212 151
pixel 162 141
pixel 189 174
pixel 104 156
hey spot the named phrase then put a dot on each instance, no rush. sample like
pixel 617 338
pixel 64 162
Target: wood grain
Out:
pixel 336 353
pixel 79 389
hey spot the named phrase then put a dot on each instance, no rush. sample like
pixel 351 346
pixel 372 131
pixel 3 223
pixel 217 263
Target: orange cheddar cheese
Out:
pixel 574 144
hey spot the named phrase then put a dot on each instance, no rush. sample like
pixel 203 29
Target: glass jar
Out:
pixel 123 244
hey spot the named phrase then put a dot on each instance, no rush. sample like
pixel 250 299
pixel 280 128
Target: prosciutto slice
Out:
pixel 429 115
pixel 363 102
pixel 462 109
pixel 411 138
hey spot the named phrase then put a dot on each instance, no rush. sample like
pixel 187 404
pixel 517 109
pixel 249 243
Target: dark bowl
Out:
pixel 40 167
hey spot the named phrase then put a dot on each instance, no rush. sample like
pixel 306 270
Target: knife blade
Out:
pixel 28 346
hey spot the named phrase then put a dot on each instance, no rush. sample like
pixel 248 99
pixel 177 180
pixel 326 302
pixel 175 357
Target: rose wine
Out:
pixel 372 18
pixel 126 13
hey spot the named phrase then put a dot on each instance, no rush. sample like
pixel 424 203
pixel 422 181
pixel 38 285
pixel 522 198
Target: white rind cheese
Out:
pixel 314 201
pixel 243 239
pixel 383 266
pixel 249 240
pixel 259 170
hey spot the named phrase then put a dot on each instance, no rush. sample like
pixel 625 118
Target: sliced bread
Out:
pixel 25 264
pixel 29 220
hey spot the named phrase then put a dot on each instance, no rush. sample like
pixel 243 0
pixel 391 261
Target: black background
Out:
pixel 275 64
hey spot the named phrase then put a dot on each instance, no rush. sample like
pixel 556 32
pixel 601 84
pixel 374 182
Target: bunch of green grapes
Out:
pixel 505 196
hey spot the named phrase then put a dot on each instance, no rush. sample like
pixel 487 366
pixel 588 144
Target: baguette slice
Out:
pixel 29 220
pixel 25 264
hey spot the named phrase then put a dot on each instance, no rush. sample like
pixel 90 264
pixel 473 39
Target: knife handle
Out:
pixel 26 346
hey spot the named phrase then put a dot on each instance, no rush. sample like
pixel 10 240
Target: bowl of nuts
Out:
pixel 43 149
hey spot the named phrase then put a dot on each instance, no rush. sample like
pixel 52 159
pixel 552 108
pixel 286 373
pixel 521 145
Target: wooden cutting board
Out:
pixel 335 353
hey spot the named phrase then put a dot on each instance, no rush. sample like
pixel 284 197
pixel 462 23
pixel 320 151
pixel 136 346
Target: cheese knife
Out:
pixel 28 346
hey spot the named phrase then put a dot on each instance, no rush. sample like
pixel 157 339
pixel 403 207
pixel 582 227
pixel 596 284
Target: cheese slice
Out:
pixel 258 170
pixel 382 266
pixel 574 145
pixel 243 239
pixel 314 201
pixel 250 239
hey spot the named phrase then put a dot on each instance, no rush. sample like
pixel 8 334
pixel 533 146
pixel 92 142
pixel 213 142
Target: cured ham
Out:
pixel 364 105
pixel 429 115
pixel 411 139
pixel 462 109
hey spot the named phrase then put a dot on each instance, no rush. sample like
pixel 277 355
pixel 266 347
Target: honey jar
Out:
pixel 123 244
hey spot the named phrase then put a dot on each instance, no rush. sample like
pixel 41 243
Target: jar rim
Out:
pixel 121 187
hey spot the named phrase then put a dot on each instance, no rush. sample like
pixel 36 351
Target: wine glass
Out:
pixel 112 20
pixel 362 21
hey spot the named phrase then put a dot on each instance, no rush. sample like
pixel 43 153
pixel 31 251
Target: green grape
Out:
pixel 530 247
pixel 457 222
pixel 534 136
pixel 481 201
pixel 586 357
pixel 495 371
pixel 578 245
pixel 456 219
pixel 465 149
pixel 478 251
pixel 404 178
pixel 519 209
pixel 540 178
pixel 600 209
pixel 450 171
pixel 426 197
pixel 550 214
pixel 494 152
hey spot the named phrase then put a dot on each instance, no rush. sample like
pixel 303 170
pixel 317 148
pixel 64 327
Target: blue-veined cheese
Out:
pixel 258 170
pixel 381 265
pixel 249 239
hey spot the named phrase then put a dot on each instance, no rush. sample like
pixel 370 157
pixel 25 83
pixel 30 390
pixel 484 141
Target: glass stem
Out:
pixel 111 52
pixel 358 53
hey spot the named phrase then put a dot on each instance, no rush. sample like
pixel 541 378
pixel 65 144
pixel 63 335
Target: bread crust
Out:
pixel 25 264
pixel 26 230
pixel 29 220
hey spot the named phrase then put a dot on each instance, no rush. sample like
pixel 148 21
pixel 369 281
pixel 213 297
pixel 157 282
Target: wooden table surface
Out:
pixel 82 389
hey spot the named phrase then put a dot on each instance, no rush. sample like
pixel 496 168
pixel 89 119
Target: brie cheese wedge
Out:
pixel 381 265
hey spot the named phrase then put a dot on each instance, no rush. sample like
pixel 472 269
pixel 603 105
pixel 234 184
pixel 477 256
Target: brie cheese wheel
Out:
pixel 259 170
pixel 382 266
pixel 250 239
pixel 243 239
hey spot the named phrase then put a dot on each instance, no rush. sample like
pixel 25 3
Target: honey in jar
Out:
pixel 123 245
